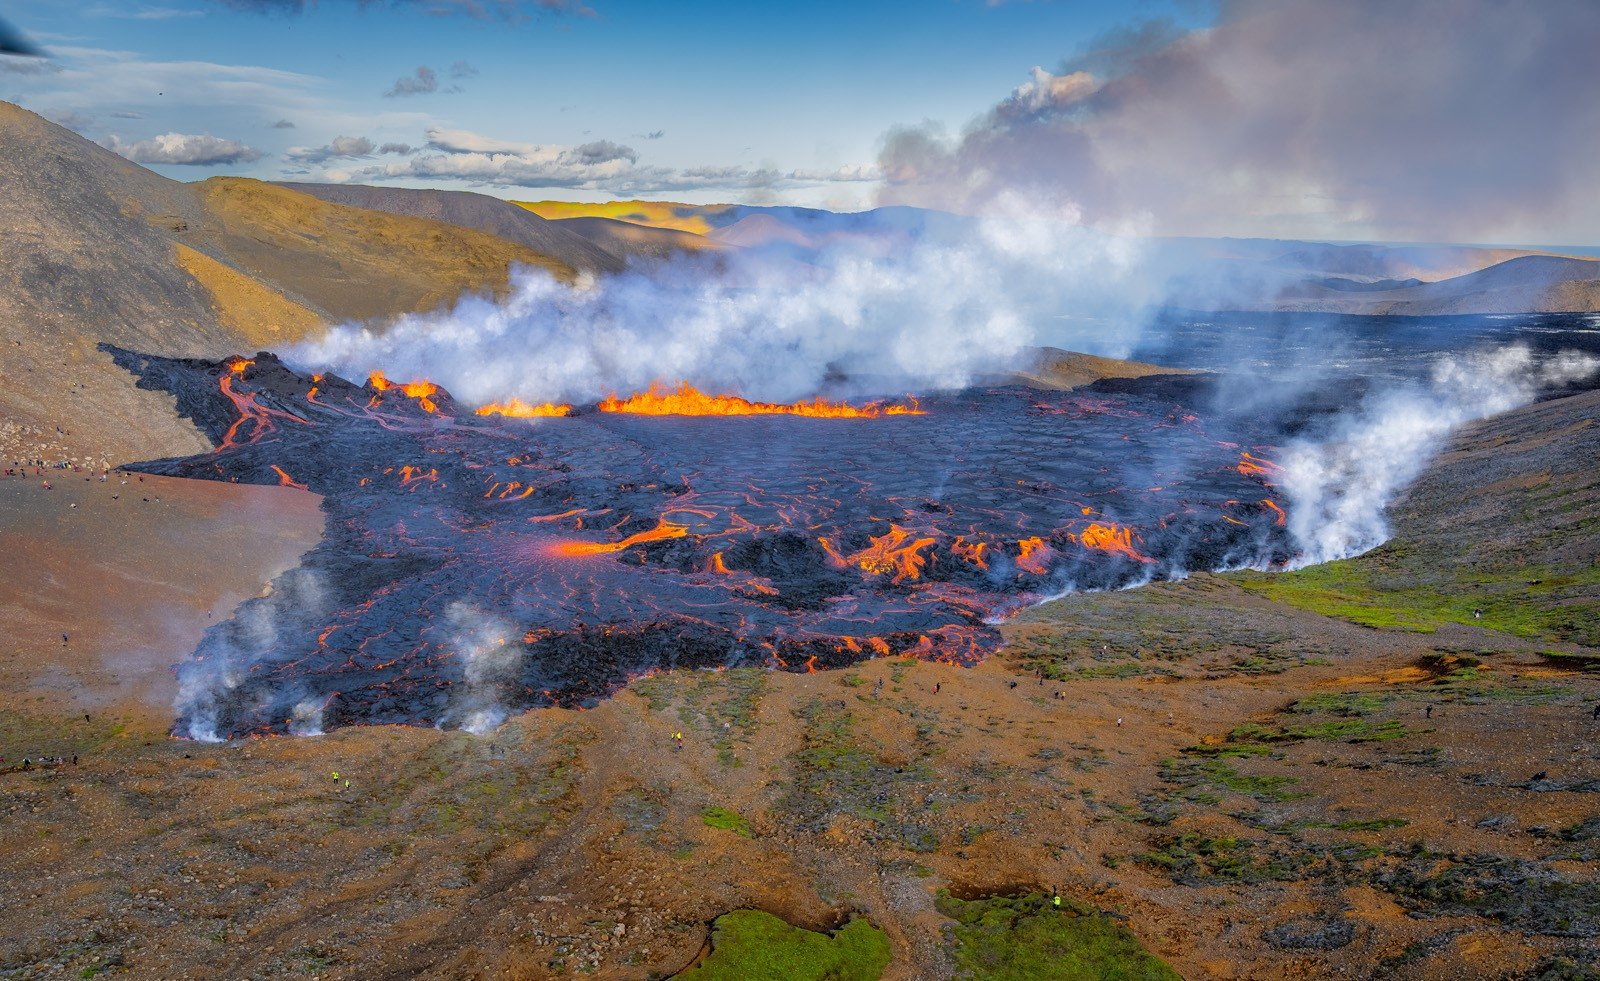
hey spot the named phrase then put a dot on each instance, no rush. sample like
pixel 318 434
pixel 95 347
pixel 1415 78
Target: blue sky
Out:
pixel 785 88
pixel 1422 120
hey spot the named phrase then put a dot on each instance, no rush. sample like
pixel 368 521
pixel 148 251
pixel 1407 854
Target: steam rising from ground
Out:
pixel 489 660
pixel 1340 485
pixel 926 316
pixel 229 651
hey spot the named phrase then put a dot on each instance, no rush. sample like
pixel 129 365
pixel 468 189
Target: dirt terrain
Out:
pixel 1261 785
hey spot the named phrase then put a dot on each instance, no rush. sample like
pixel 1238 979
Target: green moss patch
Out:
pixel 726 820
pixel 1026 937
pixel 1384 591
pixel 749 945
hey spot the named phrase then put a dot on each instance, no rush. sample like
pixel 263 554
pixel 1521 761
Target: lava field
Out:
pixel 474 565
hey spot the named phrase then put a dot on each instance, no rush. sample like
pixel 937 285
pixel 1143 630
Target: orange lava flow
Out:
pixel 686 400
pixel 1112 538
pixel 259 416
pixel 974 552
pixel 518 409
pixel 422 391
pixel 287 481
pixel 1282 518
pixel 1034 556
pixel 664 529
pixel 894 553
pixel 1255 466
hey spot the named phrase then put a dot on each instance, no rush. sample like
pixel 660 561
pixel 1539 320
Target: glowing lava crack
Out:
pixel 605 544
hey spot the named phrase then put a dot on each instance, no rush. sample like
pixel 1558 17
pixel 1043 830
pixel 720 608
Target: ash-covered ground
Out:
pixel 475 566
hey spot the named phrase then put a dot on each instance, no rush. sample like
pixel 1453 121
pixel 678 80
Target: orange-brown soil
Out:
pixel 1262 791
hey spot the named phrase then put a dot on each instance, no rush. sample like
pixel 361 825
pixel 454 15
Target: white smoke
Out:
pixel 490 660
pixel 228 653
pixel 928 315
pixel 1339 488
pixel 306 718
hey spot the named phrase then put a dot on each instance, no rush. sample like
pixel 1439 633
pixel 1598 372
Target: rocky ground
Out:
pixel 1258 782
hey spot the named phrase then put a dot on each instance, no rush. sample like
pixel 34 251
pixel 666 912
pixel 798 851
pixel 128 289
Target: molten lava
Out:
pixel 1115 539
pixel 1034 555
pixel 422 391
pixel 286 480
pixel 686 400
pixel 518 409
pixel 663 530
pixel 895 554
pixel 1255 466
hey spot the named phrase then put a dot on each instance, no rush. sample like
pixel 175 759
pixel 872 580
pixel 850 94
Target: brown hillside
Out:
pixel 476 211
pixel 350 263
pixel 1053 369
pixel 99 249
pixel 630 241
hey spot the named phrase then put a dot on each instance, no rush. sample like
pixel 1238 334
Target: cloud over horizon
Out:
pixel 189 149
pixel 464 156
pixel 1425 121
pixel 339 146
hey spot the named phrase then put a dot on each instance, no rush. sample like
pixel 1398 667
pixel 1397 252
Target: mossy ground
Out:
pixel 721 817
pixel 1026 937
pixel 1383 590
pixel 749 945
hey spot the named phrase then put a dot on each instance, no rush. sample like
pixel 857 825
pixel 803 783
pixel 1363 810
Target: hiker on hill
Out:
pixel 1428 713
pixel 1597 710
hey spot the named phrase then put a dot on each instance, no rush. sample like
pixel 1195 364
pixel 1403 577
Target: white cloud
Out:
pixel 599 165
pixel 423 81
pixel 339 146
pixel 200 150
pixel 1466 120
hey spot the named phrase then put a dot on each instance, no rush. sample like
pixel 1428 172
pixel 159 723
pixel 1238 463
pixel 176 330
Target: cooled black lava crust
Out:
pixel 451 579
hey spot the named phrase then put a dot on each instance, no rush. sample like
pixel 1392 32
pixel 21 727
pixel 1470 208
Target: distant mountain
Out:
pixel 480 212
pixel 95 248
pixel 629 241
pixel 1526 284
pixel 796 232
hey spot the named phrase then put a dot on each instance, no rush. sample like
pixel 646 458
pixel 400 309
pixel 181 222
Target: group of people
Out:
pixel 29 762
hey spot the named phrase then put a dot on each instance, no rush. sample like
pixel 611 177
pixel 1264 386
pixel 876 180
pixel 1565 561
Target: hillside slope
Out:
pixel 479 212
pixel 1502 531
pixel 97 249
pixel 350 263
pixel 629 241
pixel 1053 369
pixel 87 241
pixel 1524 284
